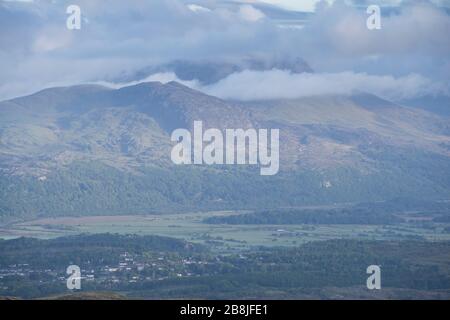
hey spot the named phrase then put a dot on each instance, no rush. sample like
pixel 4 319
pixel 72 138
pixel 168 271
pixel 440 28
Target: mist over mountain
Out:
pixel 89 149
pixel 207 73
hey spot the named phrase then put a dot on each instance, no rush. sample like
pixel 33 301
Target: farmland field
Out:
pixel 190 227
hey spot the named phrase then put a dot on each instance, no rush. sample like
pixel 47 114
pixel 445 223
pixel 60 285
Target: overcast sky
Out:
pixel 410 53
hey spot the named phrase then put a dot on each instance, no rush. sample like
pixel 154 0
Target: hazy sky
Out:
pixel 410 52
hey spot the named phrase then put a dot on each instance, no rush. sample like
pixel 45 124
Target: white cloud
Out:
pixel 197 8
pixel 249 13
pixel 297 5
pixel 278 84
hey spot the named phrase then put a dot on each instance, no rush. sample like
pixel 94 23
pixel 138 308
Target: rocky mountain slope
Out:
pixel 94 150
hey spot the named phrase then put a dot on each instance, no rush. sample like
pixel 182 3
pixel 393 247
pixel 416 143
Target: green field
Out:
pixel 189 226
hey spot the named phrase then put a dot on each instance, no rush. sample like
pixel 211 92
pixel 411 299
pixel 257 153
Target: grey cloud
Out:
pixel 37 51
pixel 117 36
pixel 409 40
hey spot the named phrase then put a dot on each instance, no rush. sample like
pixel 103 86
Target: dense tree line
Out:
pixel 97 249
pixel 330 216
pixel 87 188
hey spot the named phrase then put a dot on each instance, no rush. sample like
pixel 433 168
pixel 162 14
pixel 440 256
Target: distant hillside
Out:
pixel 88 149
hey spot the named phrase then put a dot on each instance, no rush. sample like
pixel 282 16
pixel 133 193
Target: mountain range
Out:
pixel 89 149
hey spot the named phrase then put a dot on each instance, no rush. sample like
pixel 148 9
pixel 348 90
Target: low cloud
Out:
pixel 282 84
pixel 279 84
